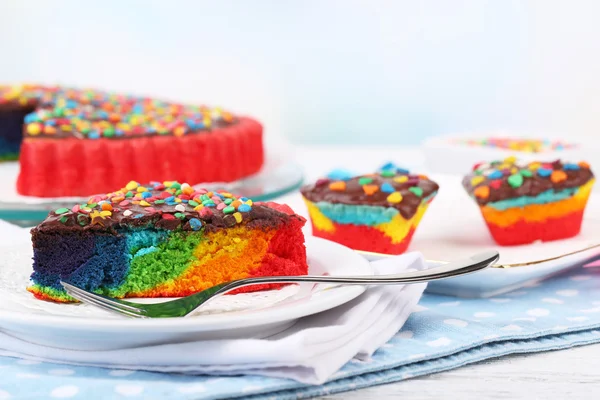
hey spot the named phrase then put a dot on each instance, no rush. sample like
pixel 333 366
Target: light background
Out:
pixel 357 72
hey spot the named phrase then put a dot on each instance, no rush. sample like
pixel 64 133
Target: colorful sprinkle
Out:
pixel 526 173
pixel 482 192
pixel 339 186
pixel 558 176
pixel 401 179
pixel 244 208
pixel 340 175
pixel 195 224
pixel 495 175
pixel 61 210
pixel 496 184
pixel 416 190
pixel 387 188
pixel 394 198
pixel 477 180
pixel 238 217
pixel 364 180
pixel 515 180
pixel 571 167
pixel 370 189
pixel 544 172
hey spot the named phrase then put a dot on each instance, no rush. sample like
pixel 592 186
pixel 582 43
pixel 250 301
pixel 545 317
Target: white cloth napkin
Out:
pixel 310 351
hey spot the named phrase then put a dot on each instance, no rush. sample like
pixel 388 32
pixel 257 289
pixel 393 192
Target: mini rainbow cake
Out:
pixel 164 240
pixel 376 212
pixel 78 142
pixel 526 202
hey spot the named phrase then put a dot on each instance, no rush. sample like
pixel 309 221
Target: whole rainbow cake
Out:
pixel 72 142
pixel 526 202
pixel 164 240
pixel 376 212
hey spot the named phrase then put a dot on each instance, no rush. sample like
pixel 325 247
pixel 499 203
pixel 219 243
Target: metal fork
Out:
pixel 185 305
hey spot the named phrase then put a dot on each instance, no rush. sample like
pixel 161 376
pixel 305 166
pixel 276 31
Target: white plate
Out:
pixel 453 228
pixel 82 327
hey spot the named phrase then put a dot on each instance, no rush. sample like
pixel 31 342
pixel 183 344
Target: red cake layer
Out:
pixel 524 232
pixel 360 237
pixel 284 255
pixel 74 167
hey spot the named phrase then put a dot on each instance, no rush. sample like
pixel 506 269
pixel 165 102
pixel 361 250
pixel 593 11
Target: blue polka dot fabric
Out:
pixel 442 334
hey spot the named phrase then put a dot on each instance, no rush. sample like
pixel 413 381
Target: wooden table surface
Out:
pixel 565 374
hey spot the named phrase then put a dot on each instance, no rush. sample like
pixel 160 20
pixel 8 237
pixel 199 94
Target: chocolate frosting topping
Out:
pixel 404 192
pixel 509 179
pixel 165 207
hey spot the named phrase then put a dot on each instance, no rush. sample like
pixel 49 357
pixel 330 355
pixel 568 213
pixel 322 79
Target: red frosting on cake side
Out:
pixel 74 167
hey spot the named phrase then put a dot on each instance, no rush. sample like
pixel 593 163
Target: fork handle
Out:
pixel 466 266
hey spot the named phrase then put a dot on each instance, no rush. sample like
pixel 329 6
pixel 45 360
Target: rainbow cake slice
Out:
pixel 526 202
pixel 376 212
pixel 164 240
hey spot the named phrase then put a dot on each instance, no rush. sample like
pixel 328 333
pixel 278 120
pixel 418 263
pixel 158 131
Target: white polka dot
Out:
pixel 121 372
pixel 560 328
pixel 552 301
pixel 443 341
pixel 578 319
pixel 568 292
pixel 490 337
pixel 577 278
pixel 407 376
pixel 63 392
pixel 512 328
pixel 416 356
pixel 387 346
pixel 591 310
pixel 596 332
pixel 28 362
pixel 531 319
pixel 419 308
pixel 456 322
pixel 484 314
pixel 538 312
pixel 500 300
pixel 192 388
pixel 450 304
pixel 404 334
pixel 62 372
pixel 27 376
pixel 4 395
pixel 129 390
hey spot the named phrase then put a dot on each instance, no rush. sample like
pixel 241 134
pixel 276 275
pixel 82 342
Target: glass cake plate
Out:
pixel 278 177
